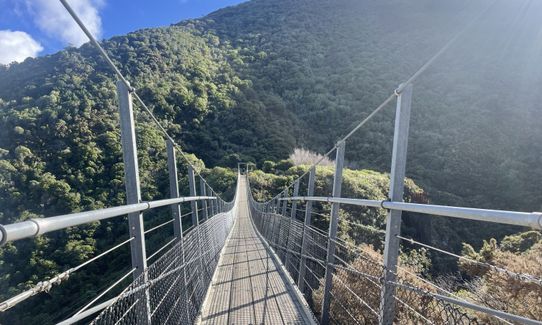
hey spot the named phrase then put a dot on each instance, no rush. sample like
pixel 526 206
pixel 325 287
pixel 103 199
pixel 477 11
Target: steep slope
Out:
pixel 475 135
pixel 250 79
pixel 332 62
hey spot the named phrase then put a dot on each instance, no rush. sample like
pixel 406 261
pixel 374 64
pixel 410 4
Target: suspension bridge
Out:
pixel 250 262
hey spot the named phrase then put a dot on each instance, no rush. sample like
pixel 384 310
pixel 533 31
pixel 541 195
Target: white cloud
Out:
pixel 17 46
pixel 51 17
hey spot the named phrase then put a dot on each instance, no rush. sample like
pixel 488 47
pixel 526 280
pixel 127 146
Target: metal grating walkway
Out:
pixel 249 286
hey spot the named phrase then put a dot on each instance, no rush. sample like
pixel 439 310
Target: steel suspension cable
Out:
pixel 104 292
pixel 376 281
pixel 350 268
pixel 162 248
pixel 522 276
pixel 345 309
pixel 44 286
pixel 355 294
pixel 95 43
pixel 368 228
pixel 439 288
pixel 158 226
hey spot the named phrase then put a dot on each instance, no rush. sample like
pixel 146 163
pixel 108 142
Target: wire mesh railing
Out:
pixel 172 289
pixel 210 235
pixel 358 274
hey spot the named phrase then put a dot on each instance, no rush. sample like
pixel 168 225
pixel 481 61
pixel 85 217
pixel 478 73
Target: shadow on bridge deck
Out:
pixel 249 285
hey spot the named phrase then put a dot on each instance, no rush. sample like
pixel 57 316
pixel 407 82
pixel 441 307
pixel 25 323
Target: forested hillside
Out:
pixel 332 62
pixel 253 82
pixel 261 78
pixel 475 136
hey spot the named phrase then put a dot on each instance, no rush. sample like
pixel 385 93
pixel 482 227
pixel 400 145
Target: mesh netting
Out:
pixel 172 289
pixel 357 274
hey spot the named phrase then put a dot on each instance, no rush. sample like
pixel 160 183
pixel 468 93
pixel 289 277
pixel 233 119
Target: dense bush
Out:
pixel 518 291
pixel 357 224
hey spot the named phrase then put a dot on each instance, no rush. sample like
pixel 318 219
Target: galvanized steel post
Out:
pixel 133 191
pixel 267 221
pixel 131 178
pixel 176 211
pixel 203 192
pixel 278 217
pixel 333 225
pixel 192 191
pixel 212 202
pixel 174 190
pixel 307 223
pixel 293 213
pixel 281 218
pixel 393 224
pixel 195 216
pixel 292 216
pixel 284 203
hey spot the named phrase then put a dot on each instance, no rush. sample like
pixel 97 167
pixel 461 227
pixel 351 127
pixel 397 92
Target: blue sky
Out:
pixel 30 28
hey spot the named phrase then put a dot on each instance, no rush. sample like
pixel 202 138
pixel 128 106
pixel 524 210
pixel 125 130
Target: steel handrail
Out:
pixel 38 226
pixel 526 219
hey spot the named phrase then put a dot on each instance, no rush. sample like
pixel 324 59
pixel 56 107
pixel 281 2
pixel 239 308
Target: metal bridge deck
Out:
pixel 249 286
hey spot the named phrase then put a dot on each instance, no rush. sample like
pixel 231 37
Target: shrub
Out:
pixel 520 295
pixel 302 156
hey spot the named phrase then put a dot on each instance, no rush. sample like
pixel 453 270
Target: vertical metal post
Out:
pixel 266 222
pixel 203 192
pixel 215 202
pixel 131 178
pixel 293 213
pixel 195 217
pixel 176 212
pixel 333 225
pixel 211 202
pixel 393 223
pixel 209 192
pixel 274 216
pixel 281 218
pixel 307 223
pixel 174 190
pixel 292 216
pixel 133 191
pixel 192 191
pixel 284 203
pixel 277 217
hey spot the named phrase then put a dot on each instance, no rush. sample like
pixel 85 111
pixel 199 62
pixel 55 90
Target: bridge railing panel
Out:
pixel 176 283
pixel 345 283
pixel 358 277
